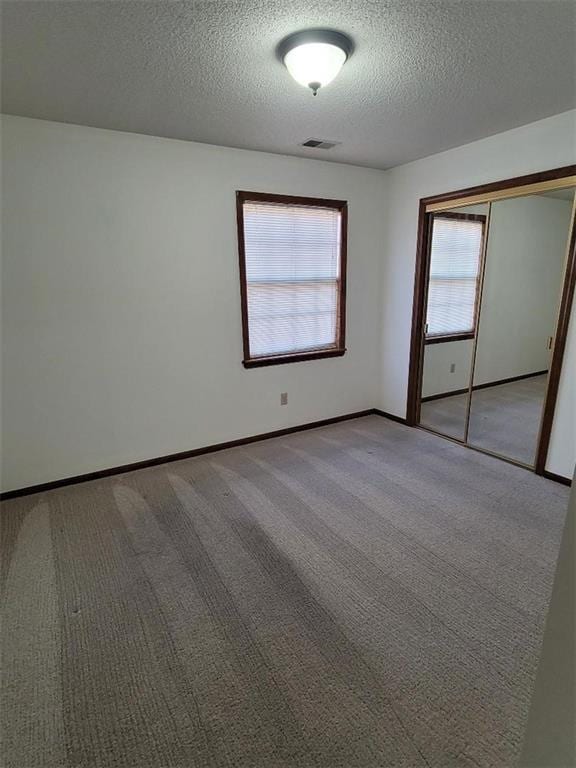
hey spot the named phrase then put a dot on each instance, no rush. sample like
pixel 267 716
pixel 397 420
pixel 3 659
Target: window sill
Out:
pixel 451 337
pixel 298 357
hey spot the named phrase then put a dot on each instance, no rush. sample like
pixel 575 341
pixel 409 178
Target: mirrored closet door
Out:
pixel 523 276
pixel 497 273
pixel 458 240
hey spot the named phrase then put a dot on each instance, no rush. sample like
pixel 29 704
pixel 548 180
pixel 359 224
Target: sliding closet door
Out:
pixel 453 292
pixel 523 277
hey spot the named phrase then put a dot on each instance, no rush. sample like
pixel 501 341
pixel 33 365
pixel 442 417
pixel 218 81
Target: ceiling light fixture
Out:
pixel 315 56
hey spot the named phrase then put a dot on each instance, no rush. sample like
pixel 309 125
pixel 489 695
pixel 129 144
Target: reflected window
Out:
pixel 455 260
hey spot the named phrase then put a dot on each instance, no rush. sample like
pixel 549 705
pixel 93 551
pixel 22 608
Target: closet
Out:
pixel 494 287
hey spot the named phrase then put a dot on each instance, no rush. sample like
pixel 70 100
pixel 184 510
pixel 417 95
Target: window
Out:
pixel 455 259
pixel 292 276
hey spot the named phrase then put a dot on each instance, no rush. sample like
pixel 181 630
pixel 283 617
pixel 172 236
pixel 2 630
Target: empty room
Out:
pixel 288 384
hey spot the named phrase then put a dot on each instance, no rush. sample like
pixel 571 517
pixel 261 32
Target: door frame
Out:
pixel 528 184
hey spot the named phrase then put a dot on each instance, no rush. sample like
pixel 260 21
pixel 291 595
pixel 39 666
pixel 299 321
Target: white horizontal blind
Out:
pixel 292 257
pixel 454 271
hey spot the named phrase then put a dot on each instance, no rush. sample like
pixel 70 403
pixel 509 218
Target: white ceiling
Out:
pixel 426 75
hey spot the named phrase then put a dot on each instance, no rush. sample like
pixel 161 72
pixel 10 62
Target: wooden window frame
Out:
pixel 339 349
pixel 442 338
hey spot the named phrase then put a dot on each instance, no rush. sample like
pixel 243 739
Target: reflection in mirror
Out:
pixel 457 239
pixel 523 275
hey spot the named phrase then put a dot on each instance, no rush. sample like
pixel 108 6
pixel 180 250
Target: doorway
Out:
pixel 494 287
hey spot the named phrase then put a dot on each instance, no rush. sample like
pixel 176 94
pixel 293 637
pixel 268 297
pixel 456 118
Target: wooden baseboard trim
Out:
pixel 98 475
pixel 557 478
pixel 391 416
pixel 509 380
pixel 442 395
pixel 483 386
pixel 102 473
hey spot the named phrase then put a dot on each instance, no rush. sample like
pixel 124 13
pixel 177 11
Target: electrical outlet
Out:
pixel 452 367
pixel 284 398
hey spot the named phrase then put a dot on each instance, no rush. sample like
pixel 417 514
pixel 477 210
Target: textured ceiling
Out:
pixel 426 75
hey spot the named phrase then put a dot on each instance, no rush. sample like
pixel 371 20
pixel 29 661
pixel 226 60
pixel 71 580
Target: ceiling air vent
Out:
pixel 319 143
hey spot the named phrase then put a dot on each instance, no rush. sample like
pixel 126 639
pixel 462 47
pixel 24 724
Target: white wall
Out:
pixel 536 147
pixel 561 451
pixel 437 376
pixel 121 309
pixel 121 304
pixel 525 262
pixel 550 738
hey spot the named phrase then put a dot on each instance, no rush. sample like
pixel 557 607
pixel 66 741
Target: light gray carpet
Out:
pixel 504 419
pixel 359 595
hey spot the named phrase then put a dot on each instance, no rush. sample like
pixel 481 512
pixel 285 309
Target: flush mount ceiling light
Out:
pixel 315 56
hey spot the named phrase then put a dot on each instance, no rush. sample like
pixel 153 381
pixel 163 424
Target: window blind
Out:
pixel 454 272
pixel 293 268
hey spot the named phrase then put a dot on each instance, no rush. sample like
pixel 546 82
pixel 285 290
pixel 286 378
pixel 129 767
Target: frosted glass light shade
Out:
pixel 314 65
